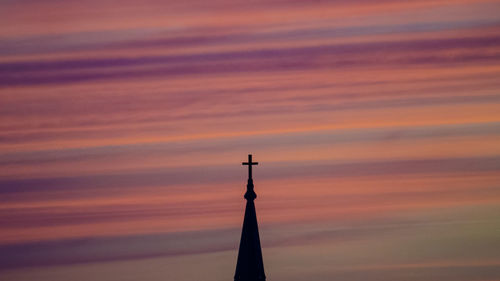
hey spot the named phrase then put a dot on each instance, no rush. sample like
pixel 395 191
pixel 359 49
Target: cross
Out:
pixel 250 164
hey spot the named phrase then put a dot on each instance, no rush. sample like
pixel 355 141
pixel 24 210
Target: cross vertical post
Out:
pixel 250 194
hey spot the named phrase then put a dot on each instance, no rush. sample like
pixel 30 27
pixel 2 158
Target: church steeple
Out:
pixel 250 266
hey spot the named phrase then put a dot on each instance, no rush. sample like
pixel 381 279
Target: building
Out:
pixel 250 266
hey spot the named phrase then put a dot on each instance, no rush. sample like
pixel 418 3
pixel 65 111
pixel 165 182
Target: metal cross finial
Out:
pixel 250 164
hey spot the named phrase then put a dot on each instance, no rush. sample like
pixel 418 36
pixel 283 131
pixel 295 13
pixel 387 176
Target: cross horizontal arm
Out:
pixel 253 163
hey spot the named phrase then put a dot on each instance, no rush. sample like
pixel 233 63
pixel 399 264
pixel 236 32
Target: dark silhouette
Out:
pixel 250 266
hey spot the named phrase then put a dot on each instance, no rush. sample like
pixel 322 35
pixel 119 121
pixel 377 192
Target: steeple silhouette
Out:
pixel 250 266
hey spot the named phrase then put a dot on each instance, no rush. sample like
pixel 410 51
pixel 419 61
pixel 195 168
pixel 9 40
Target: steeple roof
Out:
pixel 250 266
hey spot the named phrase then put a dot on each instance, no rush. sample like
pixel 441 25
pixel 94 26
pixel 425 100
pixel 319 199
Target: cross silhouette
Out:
pixel 250 164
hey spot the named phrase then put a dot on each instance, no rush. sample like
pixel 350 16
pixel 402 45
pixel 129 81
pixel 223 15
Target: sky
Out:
pixel 123 125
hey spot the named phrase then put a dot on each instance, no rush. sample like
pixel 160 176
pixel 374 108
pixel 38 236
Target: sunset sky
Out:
pixel 123 125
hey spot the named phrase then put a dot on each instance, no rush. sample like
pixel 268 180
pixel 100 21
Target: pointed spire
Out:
pixel 250 266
